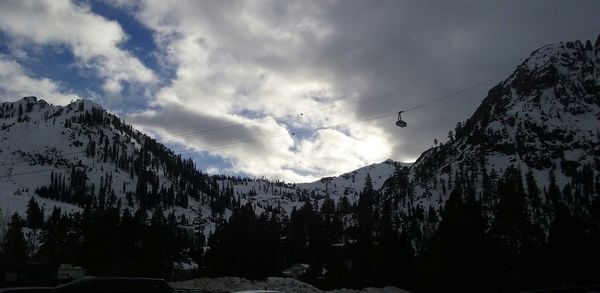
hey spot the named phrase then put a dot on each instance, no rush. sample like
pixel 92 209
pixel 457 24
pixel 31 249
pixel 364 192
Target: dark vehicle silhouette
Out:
pixel 27 290
pixel 115 285
pixel 567 290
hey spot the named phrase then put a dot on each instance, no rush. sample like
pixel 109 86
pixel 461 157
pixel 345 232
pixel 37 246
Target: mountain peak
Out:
pixel 557 77
pixel 545 115
pixel 85 104
pixel 27 100
pixel 30 99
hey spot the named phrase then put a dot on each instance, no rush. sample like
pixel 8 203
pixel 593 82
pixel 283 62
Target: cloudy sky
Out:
pixel 293 90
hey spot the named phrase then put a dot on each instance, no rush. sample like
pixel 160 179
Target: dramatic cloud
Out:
pixel 239 62
pixel 249 65
pixel 93 40
pixel 15 83
pixel 266 147
pixel 284 72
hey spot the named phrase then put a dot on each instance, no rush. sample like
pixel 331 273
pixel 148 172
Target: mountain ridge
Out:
pixel 544 117
pixel 555 88
pixel 511 199
pixel 115 163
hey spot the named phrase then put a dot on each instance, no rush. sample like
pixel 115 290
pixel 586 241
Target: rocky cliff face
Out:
pixel 545 117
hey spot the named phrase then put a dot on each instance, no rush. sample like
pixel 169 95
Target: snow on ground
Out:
pixel 352 183
pixel 33 147
pixel 17 203
pixel 233 284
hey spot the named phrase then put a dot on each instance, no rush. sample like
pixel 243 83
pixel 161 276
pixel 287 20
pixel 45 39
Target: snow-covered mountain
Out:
pixel 351 184
pixel 265 194
pixel 79 154
pixel 545 117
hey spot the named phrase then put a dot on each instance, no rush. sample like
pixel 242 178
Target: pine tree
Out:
pixel 393 255
pixel 124 262
pixel 457 254
pixel 35 216
pixel 156 244
pixel 533 195
pixel 554 194
pixel 14 241
pixel 511 219
pixel 566 250
pixel 366 201
pixel 516 239
pixel 19 118
pixel 297 234
pixel 362 252
pixel 533 192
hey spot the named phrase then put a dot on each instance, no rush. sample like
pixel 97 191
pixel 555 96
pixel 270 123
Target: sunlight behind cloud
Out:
pixel 314 74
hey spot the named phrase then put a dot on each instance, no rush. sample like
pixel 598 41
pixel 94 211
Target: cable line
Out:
pixel 222 145
pixel 359 100
pixel 386 95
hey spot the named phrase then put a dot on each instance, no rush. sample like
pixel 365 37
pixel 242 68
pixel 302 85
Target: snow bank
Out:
pixel 233 284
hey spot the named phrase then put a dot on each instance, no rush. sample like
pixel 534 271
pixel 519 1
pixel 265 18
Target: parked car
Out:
pixel 119 285
pixel 567 290
pixel 26 290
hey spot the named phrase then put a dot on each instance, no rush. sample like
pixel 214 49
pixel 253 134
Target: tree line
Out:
pixel 519 243
pixel 464 246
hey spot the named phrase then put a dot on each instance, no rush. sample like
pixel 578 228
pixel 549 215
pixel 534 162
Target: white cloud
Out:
pixel 238 62
pixel 93 40
pixel 16 83
pixel 241 61
pixel 265 147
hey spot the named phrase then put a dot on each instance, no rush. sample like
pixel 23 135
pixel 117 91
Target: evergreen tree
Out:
pixel 250 260
pixel 35 215
pixel 517 243
pixel 566 251
pixel 51 250
pixel 554 194
pixel 318 245
pixel 393 256
pixel 457 254
pixel 14 241
pixel 593 253
pixel 297 234
pixel 127 243
pixel 156 243
pixel 362 258
pixel 533 192
pixel 533 195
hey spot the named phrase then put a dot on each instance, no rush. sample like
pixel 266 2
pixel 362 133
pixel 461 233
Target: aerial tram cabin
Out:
pixel 400 122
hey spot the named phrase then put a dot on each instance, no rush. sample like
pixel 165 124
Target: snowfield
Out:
pixel 235 284
pixel 33 147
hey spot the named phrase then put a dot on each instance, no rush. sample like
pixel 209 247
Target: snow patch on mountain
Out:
pixel 545 118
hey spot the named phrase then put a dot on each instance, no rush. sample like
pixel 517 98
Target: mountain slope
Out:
pixel 76 155
pixel 545 118
pixel 461 207
pixel 80 155
pixel 351 184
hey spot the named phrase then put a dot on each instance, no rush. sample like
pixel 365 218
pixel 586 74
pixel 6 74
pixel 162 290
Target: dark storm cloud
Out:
pixel 392 45
pixel 262 63
pixel 276 58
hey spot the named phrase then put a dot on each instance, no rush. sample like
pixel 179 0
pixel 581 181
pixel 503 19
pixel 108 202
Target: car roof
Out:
pixel 115 285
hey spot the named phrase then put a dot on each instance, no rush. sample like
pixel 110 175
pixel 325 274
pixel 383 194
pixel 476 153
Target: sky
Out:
pixel 288 90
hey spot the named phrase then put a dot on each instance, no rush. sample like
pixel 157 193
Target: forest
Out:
pixel 465 246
